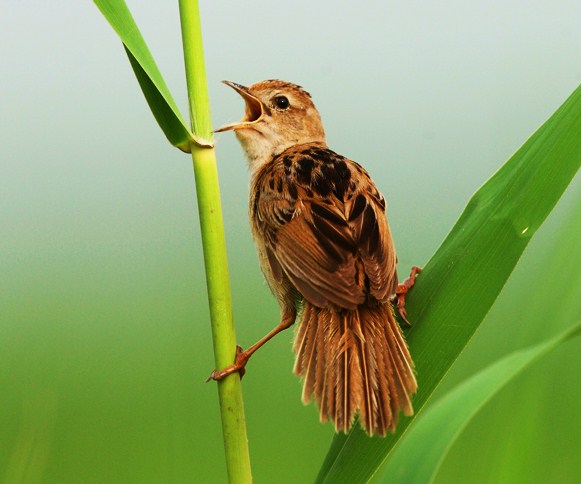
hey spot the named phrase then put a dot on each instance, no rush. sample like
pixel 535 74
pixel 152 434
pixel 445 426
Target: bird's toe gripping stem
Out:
pixel 402 290
pixel 238 366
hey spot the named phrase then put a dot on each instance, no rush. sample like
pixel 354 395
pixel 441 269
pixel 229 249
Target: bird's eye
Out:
pixel 281 102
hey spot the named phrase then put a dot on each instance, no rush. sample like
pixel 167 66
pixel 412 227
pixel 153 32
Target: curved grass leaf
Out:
pixel 418 457
pixel 152 84
pixel 464 277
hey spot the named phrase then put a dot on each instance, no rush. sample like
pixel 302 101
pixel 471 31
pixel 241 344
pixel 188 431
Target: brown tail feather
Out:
pixel 355 362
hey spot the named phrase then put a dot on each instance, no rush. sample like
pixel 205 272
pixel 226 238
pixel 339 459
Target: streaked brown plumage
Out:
pixel 324 244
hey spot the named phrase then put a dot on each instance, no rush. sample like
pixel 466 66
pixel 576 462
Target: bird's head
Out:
pixel 278 115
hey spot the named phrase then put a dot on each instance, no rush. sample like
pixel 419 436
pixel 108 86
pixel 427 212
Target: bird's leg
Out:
pixel 402 290
pixel 242 357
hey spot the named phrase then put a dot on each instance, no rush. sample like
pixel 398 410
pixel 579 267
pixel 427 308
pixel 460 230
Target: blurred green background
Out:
pixel 104 335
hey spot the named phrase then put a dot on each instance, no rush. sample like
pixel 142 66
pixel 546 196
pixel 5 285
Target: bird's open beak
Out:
pixel 253 112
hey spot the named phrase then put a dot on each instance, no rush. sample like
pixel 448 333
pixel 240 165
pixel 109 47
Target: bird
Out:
pixel 326 251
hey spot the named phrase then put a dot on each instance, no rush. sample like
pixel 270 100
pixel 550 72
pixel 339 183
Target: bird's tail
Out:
pixel 355 362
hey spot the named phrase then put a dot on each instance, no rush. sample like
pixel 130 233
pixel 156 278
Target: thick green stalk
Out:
pixel 223 335
pixel 213 240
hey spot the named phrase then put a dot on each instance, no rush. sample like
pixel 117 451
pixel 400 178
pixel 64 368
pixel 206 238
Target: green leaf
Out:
pixel 152 84
pixel 515 431
pixel 418 457
pixel 464 277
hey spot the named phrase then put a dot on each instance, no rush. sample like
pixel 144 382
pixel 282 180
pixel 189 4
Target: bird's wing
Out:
pixel 375 244
pixel 333 251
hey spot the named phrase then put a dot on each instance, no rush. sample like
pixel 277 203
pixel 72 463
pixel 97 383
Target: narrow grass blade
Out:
pixel 418 457
pixel 464 277
pixel 152 84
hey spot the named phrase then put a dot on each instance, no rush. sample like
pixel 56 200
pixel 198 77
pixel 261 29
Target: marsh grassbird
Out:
pixel 326 251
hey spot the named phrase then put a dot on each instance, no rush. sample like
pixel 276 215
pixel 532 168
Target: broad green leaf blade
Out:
pixel 516 431
pixel 152 84
pixel 418 457
pixel 464 277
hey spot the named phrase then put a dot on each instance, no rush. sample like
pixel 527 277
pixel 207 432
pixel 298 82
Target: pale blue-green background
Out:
pixel 104 338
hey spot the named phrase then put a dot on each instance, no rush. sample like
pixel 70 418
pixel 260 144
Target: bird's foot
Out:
pixel 402 290
pixel 238 366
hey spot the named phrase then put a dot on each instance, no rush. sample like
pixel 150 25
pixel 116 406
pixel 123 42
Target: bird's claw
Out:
pixel 402 290
pixel 238 366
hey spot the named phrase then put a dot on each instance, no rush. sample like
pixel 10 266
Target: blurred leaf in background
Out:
pixel 420 453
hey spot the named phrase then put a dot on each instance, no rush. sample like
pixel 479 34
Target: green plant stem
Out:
pixel 223 335
pixel 214 245
pixel 195 69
